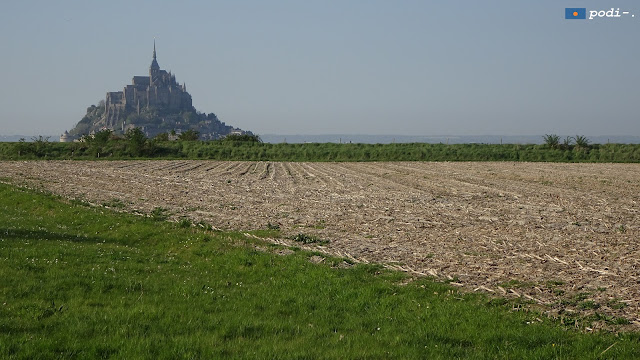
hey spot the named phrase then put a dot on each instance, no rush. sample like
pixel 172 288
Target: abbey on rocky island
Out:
pixel 156 103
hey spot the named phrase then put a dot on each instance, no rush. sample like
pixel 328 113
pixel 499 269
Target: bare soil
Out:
pixel 562 237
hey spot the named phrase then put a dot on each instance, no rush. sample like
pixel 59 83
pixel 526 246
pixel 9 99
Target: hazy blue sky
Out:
pixel 321 67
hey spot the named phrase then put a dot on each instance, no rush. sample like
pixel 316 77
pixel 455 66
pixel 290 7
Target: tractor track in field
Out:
pixel 564 237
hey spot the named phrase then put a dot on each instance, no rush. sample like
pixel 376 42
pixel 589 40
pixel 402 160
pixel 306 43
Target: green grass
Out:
pixel 82 282
pixel 309 239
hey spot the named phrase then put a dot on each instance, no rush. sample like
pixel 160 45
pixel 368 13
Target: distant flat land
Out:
pixel 564 236
pixel 431 139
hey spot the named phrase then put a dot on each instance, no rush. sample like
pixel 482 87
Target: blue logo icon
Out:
pixel 575 13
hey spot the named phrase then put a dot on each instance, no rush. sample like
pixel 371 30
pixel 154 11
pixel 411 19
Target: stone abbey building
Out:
pixel 156 104
pixel 159 89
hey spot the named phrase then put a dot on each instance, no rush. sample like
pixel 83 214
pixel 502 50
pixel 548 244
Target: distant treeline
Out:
pixel 246 147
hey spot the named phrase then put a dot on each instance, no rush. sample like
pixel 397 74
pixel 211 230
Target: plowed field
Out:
pixel 564 236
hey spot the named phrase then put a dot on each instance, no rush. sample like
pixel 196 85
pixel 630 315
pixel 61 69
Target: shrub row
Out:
pixel 256 151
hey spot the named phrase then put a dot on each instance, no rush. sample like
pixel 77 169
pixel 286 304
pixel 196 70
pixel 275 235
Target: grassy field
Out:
pixel 84 282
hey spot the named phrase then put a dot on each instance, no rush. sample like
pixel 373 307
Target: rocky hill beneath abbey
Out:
pixel 156 104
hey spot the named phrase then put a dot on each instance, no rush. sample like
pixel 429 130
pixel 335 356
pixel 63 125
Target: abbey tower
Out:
pixel 159 90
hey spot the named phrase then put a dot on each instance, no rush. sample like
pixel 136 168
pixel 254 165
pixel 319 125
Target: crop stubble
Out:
pixel 545 232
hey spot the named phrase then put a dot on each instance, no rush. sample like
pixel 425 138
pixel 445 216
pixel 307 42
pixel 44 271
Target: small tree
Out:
pixel 582 141
pixel 162 137
pixel 189 135
pixel 98 142
pixel 40 145
pixel 552 140
pixel 136 140
pixel 566 144
pixel 242 138
pixel 22 147
pixel 40 139
pixel 102 137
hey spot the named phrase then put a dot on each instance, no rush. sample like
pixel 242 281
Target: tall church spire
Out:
pixel 154 64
